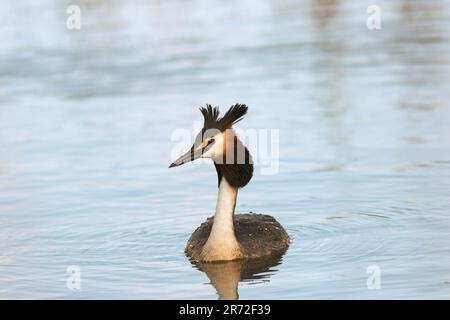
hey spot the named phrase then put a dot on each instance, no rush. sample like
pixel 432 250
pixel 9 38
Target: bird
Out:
pixel 226 236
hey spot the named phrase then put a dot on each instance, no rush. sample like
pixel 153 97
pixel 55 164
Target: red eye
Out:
pixel 211 141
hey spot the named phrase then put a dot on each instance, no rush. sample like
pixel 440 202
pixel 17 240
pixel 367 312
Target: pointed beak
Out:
pixel 189 156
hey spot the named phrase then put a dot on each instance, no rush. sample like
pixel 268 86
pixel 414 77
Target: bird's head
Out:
pixel 216 136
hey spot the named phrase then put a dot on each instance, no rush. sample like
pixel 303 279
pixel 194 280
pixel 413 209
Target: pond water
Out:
pixel 86 124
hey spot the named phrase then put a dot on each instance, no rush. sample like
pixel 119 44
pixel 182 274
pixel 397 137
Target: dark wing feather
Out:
pixel 258 235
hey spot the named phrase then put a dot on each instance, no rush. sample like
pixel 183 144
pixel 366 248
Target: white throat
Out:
pixel 222 243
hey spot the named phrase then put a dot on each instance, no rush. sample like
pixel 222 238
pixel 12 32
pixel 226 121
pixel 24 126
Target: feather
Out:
pixel 210 115
pixel 212 119
pixel 233 115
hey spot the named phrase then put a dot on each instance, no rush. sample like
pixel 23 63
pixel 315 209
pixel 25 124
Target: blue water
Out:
pixel 87 116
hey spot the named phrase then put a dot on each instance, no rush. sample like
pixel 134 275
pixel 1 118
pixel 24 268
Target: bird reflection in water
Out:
pixel 225 276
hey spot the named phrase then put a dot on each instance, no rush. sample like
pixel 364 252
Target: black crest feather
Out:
pixel 211 116
pixel 233 115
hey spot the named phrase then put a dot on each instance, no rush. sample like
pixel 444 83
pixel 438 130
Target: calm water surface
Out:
pixel 86 119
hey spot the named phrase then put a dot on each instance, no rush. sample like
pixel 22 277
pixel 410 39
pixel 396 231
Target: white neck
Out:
pixel 226 203
pixel 222 243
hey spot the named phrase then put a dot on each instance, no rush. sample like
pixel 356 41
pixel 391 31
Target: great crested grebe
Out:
pixel 227 236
